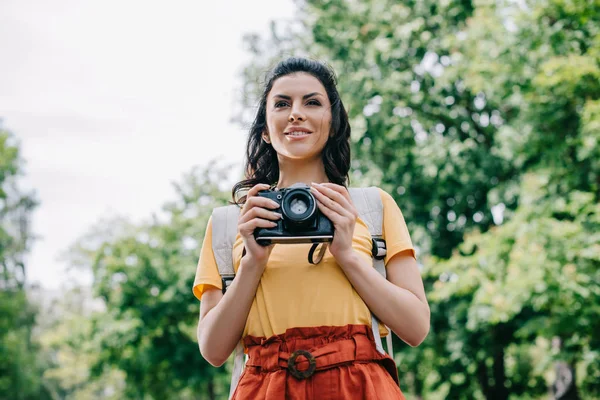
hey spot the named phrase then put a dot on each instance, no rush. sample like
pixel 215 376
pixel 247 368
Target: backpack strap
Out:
pixel 224 231
pixel 367 202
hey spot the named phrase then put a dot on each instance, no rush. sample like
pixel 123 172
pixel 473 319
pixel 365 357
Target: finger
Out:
pixel 332 194
pixel 255 200
pixel 347 203
pixel 331 204
pixel 247 228
pixel 329 197
pixel 254 191
pixel 333 216
pixel 338 188
pixel 259 201
pixel 257 188
pixel 259 212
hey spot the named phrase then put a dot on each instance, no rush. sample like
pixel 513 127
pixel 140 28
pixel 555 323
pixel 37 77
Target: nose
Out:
pixel 296 115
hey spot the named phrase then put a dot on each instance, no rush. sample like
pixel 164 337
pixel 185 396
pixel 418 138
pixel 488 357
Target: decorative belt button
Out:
pixel 312 364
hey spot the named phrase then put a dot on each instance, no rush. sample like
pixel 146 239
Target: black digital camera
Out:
pixel 301 221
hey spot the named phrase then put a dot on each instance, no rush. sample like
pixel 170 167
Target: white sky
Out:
pixel 114 100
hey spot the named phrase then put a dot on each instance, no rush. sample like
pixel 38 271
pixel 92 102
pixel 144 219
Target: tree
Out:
pixel 515 290
pixel 144 274
pixel 66 342
pixel 481 119
pixel 19 366
pixel 15 210
pixel 545 258
pixel 413 130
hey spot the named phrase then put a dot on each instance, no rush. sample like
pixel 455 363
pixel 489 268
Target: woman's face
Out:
pixel 298 117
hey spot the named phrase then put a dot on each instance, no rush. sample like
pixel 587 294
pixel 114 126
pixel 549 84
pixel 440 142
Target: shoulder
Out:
pixel 385 196
pixel 219 217
pixel 371 195
pixel 389 203
pixel 386 199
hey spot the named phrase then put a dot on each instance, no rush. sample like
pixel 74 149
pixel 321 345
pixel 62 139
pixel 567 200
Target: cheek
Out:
pixel 322 119
pixel 277 123
pixel 272 126
pixel 326 125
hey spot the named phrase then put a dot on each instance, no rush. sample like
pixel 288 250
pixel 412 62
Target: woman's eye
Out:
pixel 280 104
pixel 313 103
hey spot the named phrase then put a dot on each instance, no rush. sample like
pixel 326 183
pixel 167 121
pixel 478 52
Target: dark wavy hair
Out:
pixel 261 164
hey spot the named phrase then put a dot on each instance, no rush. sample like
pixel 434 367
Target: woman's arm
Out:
pixel 399 302
pixel 223 317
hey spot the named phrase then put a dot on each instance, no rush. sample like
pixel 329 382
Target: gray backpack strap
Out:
pixel 238 367
pixel 224 231
pixel 370 209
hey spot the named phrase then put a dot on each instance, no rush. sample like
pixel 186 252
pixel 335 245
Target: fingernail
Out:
pixel 277 215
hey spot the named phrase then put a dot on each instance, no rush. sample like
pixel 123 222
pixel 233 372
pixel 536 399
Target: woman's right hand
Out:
pixel 257 213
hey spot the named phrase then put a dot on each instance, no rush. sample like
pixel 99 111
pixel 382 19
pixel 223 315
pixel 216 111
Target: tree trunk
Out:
pixel 495 390
pixel 500 390
pixel 211 389
pixel 483 378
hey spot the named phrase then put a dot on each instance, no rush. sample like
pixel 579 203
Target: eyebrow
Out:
pixel 306 96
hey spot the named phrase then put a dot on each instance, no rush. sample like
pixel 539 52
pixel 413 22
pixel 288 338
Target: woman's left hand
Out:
pixel 335 203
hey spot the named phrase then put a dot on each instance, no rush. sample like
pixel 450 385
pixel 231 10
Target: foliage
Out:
pixel 482 119
pixel 66 341
pixel 144 274
pixel 19 366
pixel 512 292
pixel 15 213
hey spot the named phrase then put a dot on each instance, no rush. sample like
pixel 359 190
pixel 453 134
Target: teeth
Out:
pixel 298 133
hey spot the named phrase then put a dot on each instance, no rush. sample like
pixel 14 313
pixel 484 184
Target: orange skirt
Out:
pixel 326 362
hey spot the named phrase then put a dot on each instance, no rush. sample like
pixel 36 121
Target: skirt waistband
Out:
pixel 304 351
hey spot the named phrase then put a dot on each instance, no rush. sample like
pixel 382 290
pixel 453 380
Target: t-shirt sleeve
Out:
pixel 395 231
pixel 207 272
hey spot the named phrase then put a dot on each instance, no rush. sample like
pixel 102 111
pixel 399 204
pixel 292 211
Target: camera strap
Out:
pixel 311 253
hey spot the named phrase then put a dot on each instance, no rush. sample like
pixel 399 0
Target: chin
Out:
pixel 299 155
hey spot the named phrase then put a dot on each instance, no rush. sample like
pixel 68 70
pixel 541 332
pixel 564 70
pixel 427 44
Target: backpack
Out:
pixel 224 224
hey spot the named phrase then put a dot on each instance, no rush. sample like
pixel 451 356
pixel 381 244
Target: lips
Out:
pixel 297 134
pixel 297 131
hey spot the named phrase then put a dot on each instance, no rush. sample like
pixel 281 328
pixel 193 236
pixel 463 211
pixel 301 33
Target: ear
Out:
pixel 266 138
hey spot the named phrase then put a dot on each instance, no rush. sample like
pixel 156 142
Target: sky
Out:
pixel 113 101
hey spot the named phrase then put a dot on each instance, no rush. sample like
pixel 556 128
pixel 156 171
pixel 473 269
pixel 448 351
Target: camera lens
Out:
pixel 299 206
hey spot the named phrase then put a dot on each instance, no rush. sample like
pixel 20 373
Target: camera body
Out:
pixel 301 221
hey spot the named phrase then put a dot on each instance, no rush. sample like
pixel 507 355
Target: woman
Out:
pixel 280 303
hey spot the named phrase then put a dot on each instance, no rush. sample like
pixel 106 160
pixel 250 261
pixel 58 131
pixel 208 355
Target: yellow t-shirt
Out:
pixel 294 293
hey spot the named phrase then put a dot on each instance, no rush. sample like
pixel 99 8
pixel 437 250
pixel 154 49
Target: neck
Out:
pixel 296 171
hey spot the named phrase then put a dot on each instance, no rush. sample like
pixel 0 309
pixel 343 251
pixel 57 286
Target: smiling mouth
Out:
pixel 297 133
